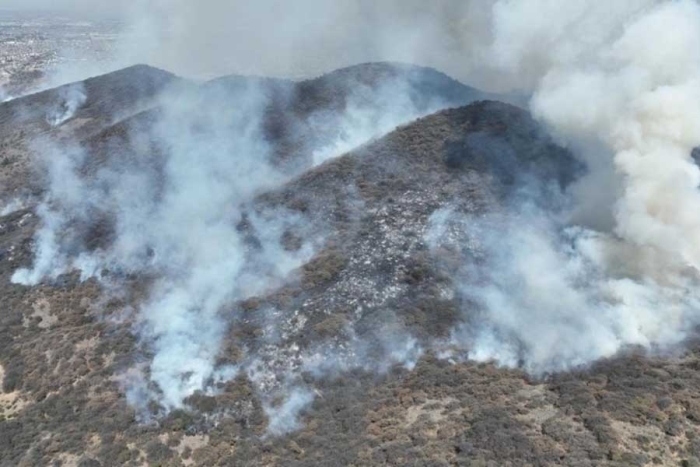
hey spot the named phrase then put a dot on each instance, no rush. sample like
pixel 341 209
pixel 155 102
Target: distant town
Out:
pixel 35 47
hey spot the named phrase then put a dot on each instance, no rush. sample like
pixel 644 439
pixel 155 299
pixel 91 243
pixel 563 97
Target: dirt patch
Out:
pixel 10 403
pixel 186 446
pixel 41 315
pixel 432 410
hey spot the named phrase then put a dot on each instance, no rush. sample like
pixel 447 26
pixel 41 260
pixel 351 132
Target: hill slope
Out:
pixel 364 322
pixel 73 112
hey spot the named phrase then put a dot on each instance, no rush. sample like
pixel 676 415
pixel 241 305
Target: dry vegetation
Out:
pixel 64 345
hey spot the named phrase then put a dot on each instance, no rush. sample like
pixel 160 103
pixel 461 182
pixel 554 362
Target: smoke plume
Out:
pixel 619 84
pixel 70 98
pixel 173 220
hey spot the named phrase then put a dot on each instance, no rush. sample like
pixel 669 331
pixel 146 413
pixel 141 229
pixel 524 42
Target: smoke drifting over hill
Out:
pixel 172 204
pixel 173 220
pixel 564 277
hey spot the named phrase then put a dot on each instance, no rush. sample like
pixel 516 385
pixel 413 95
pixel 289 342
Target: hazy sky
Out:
pixel 293 38
pixel 300 37
pixel 79 7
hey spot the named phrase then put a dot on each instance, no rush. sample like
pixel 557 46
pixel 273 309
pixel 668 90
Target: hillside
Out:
pixel 346 356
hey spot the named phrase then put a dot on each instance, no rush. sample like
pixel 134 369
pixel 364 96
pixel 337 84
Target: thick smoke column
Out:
pixel 620 84
pixel 639 97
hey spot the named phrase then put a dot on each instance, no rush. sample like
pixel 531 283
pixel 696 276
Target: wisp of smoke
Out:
pixel 284 418
pixel 70 99
pixel 276 371
pixel 13 206
pixel 4 95
pixel 358 123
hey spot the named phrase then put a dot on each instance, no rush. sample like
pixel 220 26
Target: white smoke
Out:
pixel 284 417
pixel 359 122
pixel 173 219
pixel 620 84
pixel 280 369
pixel 5 96
pixel 555 297
pixel 178 226
pixel 66 188
pixel 280 38
pixel 14 205
pixel 69 99
pixel 638 97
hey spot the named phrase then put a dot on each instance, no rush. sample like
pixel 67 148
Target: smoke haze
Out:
pixel 281 38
